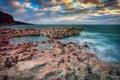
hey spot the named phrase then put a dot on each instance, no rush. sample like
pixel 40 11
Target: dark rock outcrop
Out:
pixel 7 19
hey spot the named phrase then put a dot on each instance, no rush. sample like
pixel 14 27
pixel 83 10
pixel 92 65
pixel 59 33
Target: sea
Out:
pixel 103 40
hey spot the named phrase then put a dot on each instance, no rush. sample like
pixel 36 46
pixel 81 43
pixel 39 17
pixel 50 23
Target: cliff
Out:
pixel 6 19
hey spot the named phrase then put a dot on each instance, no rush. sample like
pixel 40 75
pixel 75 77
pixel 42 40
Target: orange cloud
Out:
pixel 53 1
pixel 27 4
pixel 15 3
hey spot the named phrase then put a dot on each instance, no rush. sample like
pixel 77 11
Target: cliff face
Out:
pixel 6 19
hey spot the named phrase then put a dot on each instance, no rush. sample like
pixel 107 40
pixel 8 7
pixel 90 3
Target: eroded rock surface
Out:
pixel 62 61
pixel 54 33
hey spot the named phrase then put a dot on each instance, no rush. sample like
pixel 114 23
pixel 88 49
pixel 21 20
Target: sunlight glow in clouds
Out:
pixel 63 11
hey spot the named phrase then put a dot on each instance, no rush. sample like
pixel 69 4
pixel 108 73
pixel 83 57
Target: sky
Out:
pixel 63 11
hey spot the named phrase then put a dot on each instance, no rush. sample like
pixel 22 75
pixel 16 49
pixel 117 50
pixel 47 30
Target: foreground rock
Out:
pixel 53 60
pixel 6 34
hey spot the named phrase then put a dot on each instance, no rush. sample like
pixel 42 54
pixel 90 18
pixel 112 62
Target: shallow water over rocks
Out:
pixel 105 46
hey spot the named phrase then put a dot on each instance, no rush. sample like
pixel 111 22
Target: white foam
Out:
pixel 102 44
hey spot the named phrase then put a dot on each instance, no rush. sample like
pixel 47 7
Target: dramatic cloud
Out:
pixel 15 4
pixel 63 11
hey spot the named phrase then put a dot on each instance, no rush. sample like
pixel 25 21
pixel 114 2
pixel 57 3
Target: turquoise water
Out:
pixel 105 46
pixel 17 40
pixel 104 40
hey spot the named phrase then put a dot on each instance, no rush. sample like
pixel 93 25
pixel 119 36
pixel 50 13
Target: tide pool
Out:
pixel 104 40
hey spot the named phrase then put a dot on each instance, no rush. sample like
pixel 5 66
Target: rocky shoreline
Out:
pixel 51 59
pixel 54 33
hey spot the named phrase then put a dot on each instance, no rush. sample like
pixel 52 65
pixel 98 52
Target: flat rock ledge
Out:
pixel 53 60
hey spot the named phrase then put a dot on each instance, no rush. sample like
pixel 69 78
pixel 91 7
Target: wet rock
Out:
pixel 114 72
pixel 15 60
pixel 70 76
pixel 109 77
pixel 92 77
pixel 89 68
pixel 7 62
pixel 39 67
pixel 5 77
pixel 51 75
